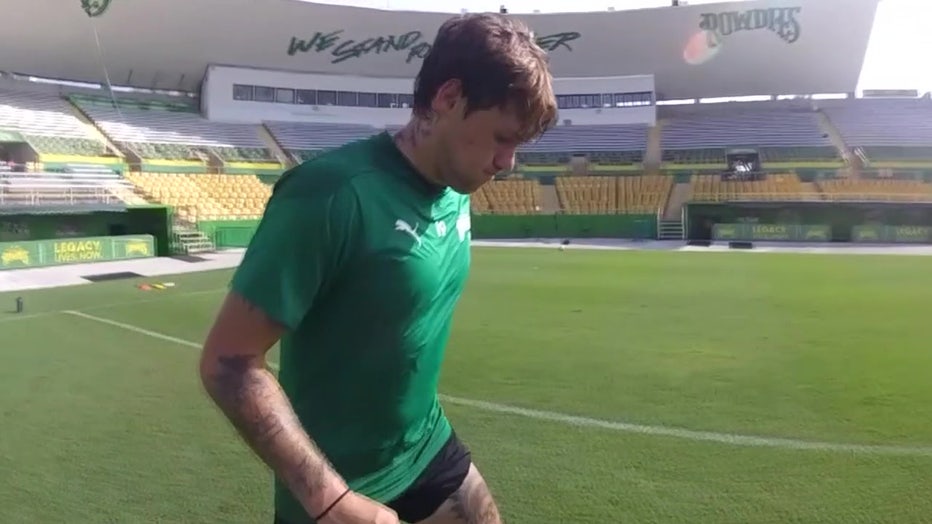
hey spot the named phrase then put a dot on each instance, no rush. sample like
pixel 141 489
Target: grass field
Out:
pixel 103 423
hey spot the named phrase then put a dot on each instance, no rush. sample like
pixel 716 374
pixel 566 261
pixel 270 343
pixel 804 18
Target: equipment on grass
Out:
pixel 156 285
pixel 19 305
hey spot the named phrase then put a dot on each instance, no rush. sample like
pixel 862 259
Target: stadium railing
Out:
pixel 31 190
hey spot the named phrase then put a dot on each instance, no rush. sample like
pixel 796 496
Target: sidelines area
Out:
pixel 572 420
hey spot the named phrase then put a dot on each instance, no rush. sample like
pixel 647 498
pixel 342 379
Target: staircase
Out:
pixel 853 159
pixel 670 225
pixel 550 201
pixel 670 230
pixel 187 240
pixel 275 146
pixel 678 196
pixel 652 153
pixel 190 242
pixel 94 129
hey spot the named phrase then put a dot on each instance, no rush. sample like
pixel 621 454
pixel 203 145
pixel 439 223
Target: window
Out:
pixel 387 99
pixel 284 96
pixel 327 98
pixel 346 98
pixel 242 92
pixel 264 94
pixel 306 97
pixel 367 100
pixel 633 99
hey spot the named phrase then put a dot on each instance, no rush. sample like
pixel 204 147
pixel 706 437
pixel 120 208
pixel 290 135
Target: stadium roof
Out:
pixel 695 51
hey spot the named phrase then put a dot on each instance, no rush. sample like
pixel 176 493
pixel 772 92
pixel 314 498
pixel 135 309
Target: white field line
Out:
pixel 572 420
pixel 115 304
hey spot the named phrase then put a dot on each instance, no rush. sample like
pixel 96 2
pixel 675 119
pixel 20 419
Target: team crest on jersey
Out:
pixel 95 8
pixel 463 226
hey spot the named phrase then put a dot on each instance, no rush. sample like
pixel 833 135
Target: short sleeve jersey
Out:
pixel 363 261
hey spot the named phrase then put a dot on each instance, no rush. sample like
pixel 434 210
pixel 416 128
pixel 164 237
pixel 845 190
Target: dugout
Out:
pixel 51 224
pixel 840 217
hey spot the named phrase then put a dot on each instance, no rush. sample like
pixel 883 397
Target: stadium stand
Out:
pixel 609 194
pixel 514 197
pixel 87 190
pixel 774 187
pixel 46 122
pixel 172 130
pixel 884 129
pixel 607 144
pixel 698 135
pixel 206 196
pixel 303 140
pixel 891 190
pixel 780 131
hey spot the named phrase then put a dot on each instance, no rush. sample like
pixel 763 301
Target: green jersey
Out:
pixel 363 261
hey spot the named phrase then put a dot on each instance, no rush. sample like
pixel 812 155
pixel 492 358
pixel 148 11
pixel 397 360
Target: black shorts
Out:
pixel 442 477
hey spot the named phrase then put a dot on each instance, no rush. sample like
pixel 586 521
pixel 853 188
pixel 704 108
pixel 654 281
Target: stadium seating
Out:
pixel 891 190
pixel 206 197
pixel 643 194
pixel 514 197
pixel 168 129
pixel 699 135
pixel 173 131
pixel 613 144
pixel 778 187
pixel 587 194
pixel 53 190
pixel 47 123
pixel 302 140
pixel 607 194
pixel 885 129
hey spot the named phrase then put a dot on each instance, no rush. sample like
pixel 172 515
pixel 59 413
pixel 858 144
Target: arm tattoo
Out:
pixel 253 401
pixel 472 503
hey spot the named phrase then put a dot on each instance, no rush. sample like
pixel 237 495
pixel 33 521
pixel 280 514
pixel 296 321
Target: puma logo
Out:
pixel 401 225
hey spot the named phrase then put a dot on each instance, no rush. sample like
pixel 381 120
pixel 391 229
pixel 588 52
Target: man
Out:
pixel 356 267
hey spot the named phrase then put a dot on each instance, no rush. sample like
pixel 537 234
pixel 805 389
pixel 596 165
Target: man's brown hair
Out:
pixel 499 65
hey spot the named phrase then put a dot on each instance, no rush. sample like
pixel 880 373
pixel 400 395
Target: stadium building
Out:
pixel 615 357
pixel 131 140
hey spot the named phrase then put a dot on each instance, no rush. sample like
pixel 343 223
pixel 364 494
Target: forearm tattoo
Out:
pixel 259 410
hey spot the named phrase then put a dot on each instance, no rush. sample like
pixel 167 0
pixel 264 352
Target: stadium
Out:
pixel 724 335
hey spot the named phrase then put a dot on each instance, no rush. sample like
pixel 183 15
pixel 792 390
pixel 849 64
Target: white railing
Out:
pixel 40 189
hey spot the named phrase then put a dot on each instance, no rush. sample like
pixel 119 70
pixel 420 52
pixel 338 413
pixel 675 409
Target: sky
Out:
pixel 899 31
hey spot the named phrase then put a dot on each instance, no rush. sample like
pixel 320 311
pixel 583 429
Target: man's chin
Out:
pixel 467 187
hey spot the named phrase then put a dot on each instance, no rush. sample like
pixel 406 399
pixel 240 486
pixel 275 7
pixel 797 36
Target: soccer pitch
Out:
pixel 592 386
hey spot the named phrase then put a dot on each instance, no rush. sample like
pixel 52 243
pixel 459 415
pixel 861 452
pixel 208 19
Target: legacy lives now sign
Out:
pixel 762 232
pixel 37 253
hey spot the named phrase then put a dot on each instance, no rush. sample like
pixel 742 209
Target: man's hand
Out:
pixel 359 509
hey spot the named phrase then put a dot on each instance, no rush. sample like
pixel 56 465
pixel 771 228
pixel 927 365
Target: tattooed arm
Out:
pixel 233 370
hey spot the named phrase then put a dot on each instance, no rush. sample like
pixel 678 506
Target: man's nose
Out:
pixel 505 161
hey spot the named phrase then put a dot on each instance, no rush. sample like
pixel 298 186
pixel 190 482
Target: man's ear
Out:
pixel 448 98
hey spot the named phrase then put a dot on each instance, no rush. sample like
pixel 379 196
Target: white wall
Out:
pixel 217 98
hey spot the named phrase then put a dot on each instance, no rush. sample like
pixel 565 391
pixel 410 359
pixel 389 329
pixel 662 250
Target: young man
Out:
pixel 356 267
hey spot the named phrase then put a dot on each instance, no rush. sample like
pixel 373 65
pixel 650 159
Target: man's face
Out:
pixel 475 148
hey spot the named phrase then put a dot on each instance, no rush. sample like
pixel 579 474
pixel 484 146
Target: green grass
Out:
pixel 101 424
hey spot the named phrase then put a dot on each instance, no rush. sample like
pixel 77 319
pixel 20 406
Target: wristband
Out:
pixel 331 506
